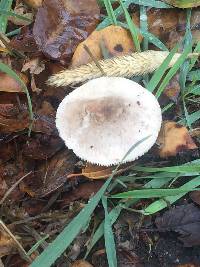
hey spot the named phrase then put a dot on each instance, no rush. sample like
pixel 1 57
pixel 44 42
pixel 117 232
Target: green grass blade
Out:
pixel 144 26
pixel 151 38
pixel 193 117
pixel 184 69
pixel 65 238
pixel 163 203
pixel 5 5
pixel 158 74
pixel 173 70
pixel 132 28
pixel 10 72
pixel 109 237
pixel 13 14
pixel 113 215
pixel 110 12
pixel 119 11
pixel 149 193
pixel 190 168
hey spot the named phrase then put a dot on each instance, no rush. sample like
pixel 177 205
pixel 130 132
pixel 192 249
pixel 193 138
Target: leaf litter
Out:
pixel 58 184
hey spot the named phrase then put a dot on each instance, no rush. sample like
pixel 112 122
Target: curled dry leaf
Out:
pixel 8 84
pixel 81 263
pixel 93 171
pixel 35 66
pixel 115 39
pixel 61 25
pixel 174 138
pixel 34 3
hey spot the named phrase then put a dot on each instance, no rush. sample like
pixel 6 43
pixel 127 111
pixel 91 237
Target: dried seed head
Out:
pixel 103 118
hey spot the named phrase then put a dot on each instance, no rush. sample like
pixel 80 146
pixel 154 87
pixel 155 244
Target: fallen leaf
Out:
pixel 13 118
pixel 34 3
pixel 93 171
pixel 174 138
pixel 83 191
pixel 52 174
pixel 183 219
pixel 41 146
pixel 34 65
pixel 61 25
pixel 8 84
pixel 117 41
pixel 24 42
pixel 81 263
pixel 172 89
pixel 7 244
pixel 195 196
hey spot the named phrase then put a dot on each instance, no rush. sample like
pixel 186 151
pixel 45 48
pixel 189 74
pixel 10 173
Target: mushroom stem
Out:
pixel 123 66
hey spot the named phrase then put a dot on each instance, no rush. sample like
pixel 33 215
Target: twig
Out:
pixel 13 187
pixel 21 249
pixel 94 59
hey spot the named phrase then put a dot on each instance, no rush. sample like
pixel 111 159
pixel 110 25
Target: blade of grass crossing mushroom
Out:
pixel 119 11
pixel 10 72
pixel 110 11
pixel 163 203
pixel 108 236
pixel 65 238
pixel 158 74
pixel 5 5
pixel 173 70
pixel 131 26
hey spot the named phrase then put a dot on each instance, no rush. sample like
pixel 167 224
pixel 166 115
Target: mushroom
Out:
pixel 104 117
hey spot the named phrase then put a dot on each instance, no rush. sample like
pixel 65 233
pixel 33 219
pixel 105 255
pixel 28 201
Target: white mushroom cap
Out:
pixel 102 119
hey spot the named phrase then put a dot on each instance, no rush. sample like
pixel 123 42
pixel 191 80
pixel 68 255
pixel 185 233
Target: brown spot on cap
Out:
pixel 119 48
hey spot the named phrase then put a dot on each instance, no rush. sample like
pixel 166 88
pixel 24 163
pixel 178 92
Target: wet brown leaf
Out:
pixel 41 146
pixel 83 191
pixel 8 84
pixel 183 219
pixel 61 25
pixel 174 138
pixel 13 118
pixel 115 39
pixel 51 174
pixel 24 42
pixel 81 263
